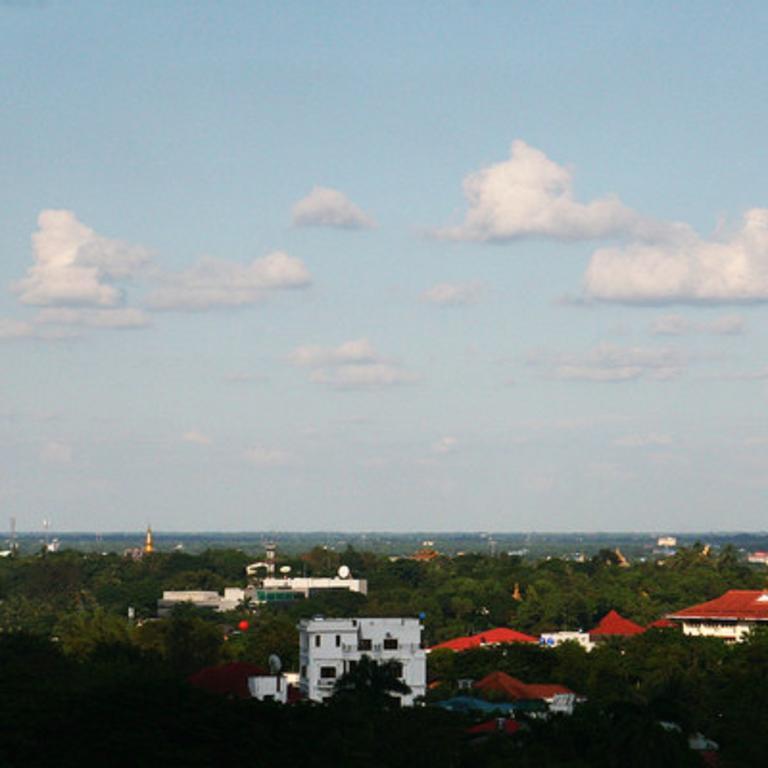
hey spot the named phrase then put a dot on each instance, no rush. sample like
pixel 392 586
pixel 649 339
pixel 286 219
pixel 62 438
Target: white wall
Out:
pixel 331 644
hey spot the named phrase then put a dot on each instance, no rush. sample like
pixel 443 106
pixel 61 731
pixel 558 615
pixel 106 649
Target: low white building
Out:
pixel 307 585
pixel 328 648
pixel 553 639
pixel 268 590
pixel 269 688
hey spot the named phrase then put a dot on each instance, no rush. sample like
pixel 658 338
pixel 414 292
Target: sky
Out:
pixel 380 266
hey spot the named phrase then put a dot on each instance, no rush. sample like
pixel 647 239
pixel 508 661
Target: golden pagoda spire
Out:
pixel 517 595
pixel 149 546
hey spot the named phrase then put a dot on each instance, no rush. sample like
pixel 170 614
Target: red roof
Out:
pixel 662 624
pixel 750 604
pixel 513 689
pixel 490 637
pixel 497 725
pixel 614 624
pixel 227 679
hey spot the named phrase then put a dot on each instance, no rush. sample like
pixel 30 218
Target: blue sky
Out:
pixel 384 266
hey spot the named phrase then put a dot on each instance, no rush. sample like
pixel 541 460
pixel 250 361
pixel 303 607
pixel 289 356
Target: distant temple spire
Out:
pixel 149 546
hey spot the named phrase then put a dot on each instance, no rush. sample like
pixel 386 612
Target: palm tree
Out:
pixel 370 684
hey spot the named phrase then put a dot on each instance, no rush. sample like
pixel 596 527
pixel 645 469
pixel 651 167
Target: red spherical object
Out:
pixel 243 625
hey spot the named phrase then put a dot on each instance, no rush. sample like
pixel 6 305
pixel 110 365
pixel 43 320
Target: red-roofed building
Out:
pixel 496 636
pixel 229 680
pixel 514 689
pixel 614 624
pixel 729 617
pixel 662 624
pixel 497 725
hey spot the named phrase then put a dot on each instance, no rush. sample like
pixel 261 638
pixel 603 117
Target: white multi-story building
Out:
pixel 328 648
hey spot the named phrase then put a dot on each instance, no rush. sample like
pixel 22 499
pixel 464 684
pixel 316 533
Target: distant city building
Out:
pixel 263 591
pixel 306 586
pixel 613 624
pixel 730 617
pixel 329 648
pixel 666 541
pixel 490 637
pixel 553 639
pixel 758 557
pixel 557 697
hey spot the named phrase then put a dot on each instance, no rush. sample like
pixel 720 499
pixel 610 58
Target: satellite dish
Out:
pixel 343 572
pixel 275 665
pixel 285 569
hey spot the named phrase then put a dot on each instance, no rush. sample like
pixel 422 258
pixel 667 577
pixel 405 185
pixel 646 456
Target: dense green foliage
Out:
pixel 72 663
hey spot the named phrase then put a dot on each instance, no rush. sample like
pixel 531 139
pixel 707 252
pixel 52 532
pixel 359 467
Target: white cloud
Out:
pixel 75 266
pixel 610 363
pixel 354 351
pixel 677 325
pixel 119 317
pixel 260 456
pixel 54 452
pixel 446 444
pixel 650 440
pixel 354 364
pixel 453 294
pixel 14 330
pixel 196 438
pixel 530 195
pixel 363 376
pixel 326 207
pixel 215 283
pixel 687 268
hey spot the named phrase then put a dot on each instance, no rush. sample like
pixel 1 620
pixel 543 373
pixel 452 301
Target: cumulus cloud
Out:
pixel 196 438
pixel 261 456
pixel 354 364
pixel 75 266
pixel 650 440
pixel 54 452
pixel 446 444
pixel 363 376
pixel 354 351
pixel 530 195
pixel 610 363
pixel 14 330
pixel 214 283
pixel 686 268
pixel 118 317
pixel 326 207
pixel 453 294
pixel 677 325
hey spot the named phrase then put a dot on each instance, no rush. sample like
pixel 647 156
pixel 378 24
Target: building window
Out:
pixel 304 670
pixel 338 640
pixel 317 641
pixel 397 668
pixel 351 666
pixel 390 643
pixel 364 644
pixel 327 672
